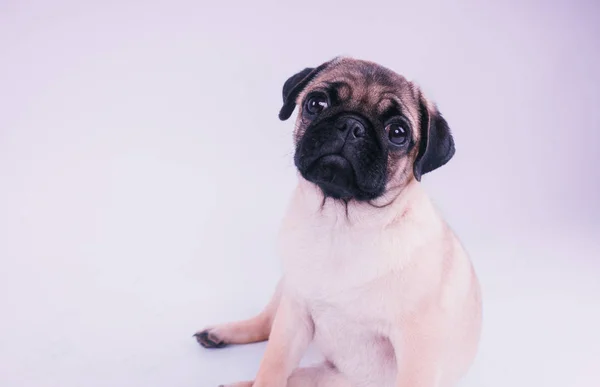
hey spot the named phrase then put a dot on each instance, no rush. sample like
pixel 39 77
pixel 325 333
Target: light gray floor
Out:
pixel 124 315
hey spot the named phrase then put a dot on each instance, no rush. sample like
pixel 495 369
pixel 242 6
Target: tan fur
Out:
pixel 388 293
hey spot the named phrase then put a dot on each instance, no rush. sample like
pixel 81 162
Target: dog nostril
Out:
pixel 358 131
pixel 352 125
pixel 341 126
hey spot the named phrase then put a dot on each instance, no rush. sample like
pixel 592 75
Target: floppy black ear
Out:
pixel 294 86
pixel 436 147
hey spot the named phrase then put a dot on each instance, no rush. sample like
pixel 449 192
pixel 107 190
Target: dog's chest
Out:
pixel 352 295
pixel 345 274
pixel 322 262
pixel 348 286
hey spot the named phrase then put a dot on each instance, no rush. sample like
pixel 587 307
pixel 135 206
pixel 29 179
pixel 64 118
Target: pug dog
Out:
pixel 371 272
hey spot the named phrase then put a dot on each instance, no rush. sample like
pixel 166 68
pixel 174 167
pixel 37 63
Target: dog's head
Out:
pixel 362 129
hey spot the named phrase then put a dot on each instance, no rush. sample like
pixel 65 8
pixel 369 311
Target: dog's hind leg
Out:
pixel 240 384
pixel 253 330
pixel 323 375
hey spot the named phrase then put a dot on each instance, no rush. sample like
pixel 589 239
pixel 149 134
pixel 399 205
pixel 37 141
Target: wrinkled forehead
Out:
pixel 365 85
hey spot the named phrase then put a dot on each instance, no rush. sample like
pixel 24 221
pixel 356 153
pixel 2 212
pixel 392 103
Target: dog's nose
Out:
pixel 353 125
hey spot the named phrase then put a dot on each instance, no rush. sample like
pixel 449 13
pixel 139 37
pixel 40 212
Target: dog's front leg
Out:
pixel 291 334
pixel 420 344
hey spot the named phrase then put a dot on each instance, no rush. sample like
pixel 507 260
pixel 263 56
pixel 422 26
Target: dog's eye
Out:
pixel 397 133
pixel 316 104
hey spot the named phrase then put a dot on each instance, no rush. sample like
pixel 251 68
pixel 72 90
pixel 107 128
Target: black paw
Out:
pixel 209 340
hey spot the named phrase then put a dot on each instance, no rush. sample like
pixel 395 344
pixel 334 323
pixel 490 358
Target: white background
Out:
pixel 144 172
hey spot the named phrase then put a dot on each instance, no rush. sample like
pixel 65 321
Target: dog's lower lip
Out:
pixel 330 182
pixel 334 174
pixel 332 157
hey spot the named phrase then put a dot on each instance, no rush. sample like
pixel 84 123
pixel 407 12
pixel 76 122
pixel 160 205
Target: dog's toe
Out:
pixel 207 339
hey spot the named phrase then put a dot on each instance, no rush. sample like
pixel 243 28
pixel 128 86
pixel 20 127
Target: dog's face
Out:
pixel 362 129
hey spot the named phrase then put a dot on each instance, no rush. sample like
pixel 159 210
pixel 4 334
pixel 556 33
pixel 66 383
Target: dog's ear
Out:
pixel 294 86
pixel 436 146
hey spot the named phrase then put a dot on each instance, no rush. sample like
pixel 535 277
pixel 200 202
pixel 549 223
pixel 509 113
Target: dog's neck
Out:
pixel 394 207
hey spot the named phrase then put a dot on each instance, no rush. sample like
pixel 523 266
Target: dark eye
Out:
pixel 316 104
pixel 397 133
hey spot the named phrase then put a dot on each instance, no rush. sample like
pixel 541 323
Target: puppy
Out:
pixel 372 274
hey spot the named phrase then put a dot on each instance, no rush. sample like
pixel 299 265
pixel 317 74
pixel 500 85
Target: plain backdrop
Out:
pixel 144 172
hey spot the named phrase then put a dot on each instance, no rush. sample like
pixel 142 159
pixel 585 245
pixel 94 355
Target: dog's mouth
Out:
pixel 334 174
